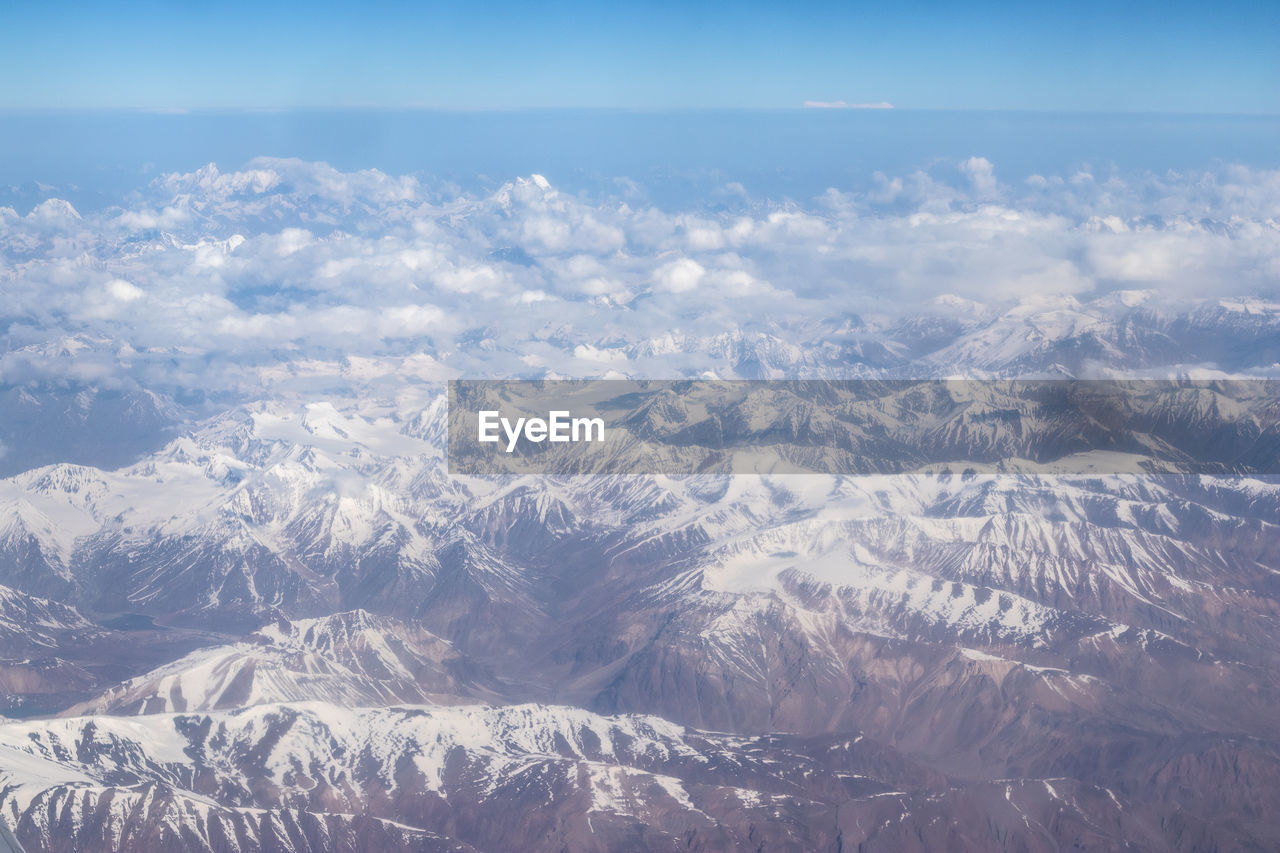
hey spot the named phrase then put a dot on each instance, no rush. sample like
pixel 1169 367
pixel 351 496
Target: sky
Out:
pixel 186 202
pixel 1085 56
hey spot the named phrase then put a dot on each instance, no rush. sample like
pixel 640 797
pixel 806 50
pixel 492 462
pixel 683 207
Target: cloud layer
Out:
pixel 208 277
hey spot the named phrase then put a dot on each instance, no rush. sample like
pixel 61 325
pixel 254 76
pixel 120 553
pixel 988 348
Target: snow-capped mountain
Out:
pixel 895 661
pixel 530 777
pixel 354 659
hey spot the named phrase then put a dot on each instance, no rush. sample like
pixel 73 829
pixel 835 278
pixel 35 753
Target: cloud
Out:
pixel 123 291
pixel 207 278
pixel 678 276
pixel 845 105
pixel 982 176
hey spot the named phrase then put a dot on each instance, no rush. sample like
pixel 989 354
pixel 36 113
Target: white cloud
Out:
pixel 287 259
pixel 982 176
pixel 845 105
pixel 123 291
pixel 678 276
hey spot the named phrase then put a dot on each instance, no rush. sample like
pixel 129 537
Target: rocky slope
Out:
pixel 286 627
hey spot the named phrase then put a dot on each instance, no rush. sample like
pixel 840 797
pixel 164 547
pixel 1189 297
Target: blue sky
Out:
pixel 1113 56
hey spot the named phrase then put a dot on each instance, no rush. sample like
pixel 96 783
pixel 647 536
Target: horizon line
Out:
pixel 807 107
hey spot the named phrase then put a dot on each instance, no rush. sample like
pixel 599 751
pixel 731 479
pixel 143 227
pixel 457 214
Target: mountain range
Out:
pixel 278 623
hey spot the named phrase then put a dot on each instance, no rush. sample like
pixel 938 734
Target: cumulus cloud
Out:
pixel 207 275
pixel 123 291
pixel 981 176
pixel 678 276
